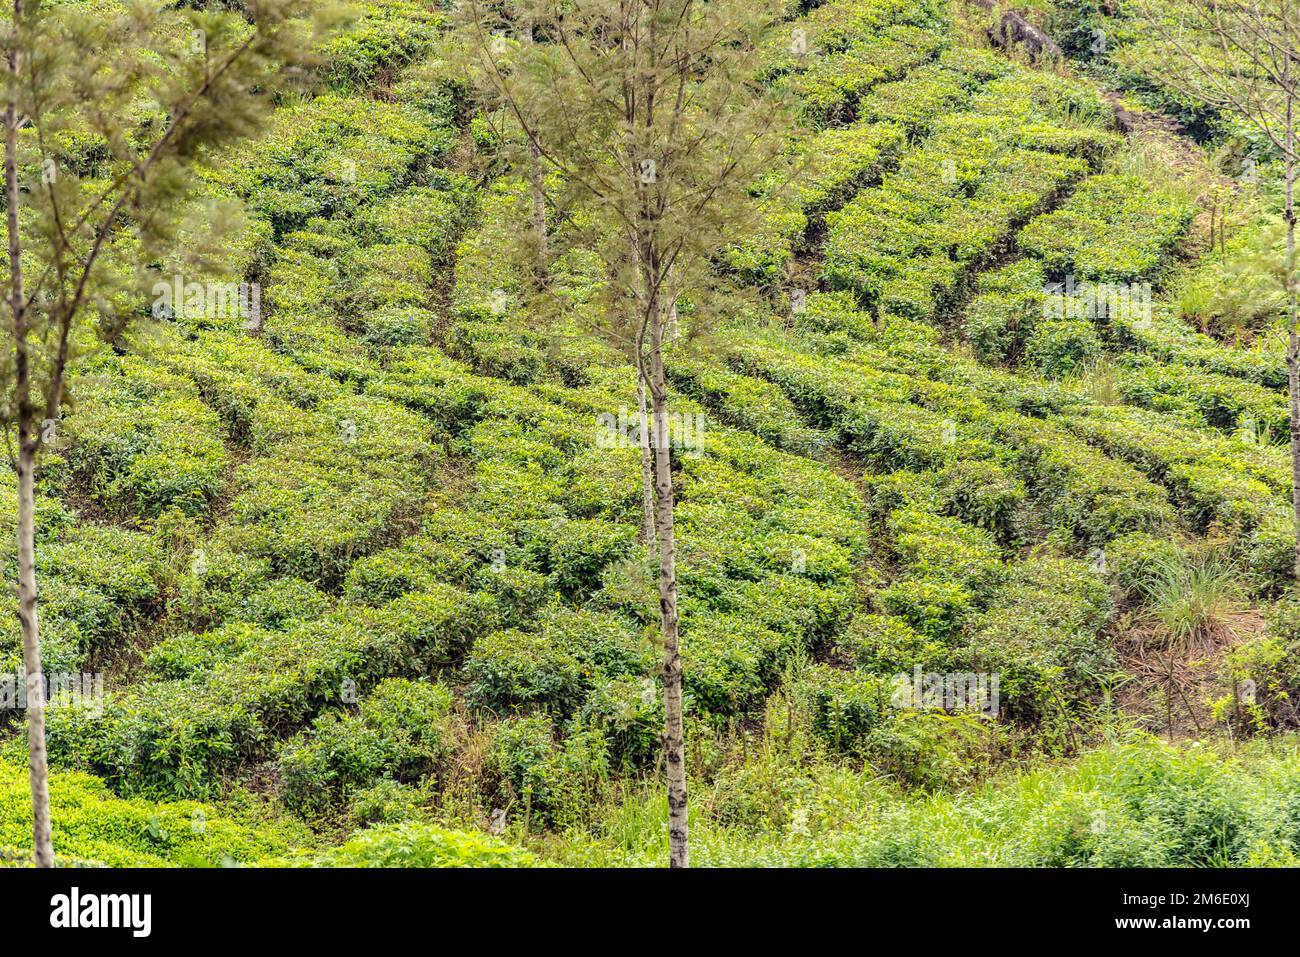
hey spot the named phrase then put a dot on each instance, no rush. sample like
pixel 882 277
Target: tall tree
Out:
pixel 154 89
pixel 650 113
pixel 1241 57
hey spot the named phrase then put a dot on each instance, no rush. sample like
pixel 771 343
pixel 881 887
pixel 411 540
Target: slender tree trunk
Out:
pixel 36 758
pixel 1293 341
pixel 28 440
pixel 537 186
pixel 674 730
pixel 648 534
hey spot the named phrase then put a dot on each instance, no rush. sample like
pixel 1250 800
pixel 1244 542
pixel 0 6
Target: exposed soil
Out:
pixel 1171 689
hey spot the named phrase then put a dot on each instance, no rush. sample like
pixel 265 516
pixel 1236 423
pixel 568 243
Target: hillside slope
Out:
pixel 376 566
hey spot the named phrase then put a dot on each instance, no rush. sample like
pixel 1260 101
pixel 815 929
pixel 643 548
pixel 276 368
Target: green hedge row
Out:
pixel 333 155
pixel 1220 483
pixel 1114 228
pixel 902 420
pixel 906 245
pixel 837 25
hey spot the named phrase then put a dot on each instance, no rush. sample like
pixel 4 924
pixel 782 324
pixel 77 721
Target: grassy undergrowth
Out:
pixel 1139 803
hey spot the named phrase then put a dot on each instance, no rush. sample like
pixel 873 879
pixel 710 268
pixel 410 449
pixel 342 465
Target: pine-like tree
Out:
pixel 650 114
pixel 155 90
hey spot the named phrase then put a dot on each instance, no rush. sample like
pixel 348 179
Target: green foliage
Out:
pixel 1137 803
pixel 95 827
pixel 543 780
pixel 630 711
pixel 401 731
pixel 1061 347
pixel 331 155
pixel 387 35
pixel 177 736
pixel 1138 557
pixel 422 845
pixel 516 669
pixel 422 216
pixel 937 609
pixel 843 706
pixel 932 751
pixel 268 560
pixel 148 445
pixel 1114 228
pixel 1043 634
pixel 905 246
pixel 1006 310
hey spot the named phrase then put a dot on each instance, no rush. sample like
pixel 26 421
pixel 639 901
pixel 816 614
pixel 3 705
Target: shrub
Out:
pixel 433 627
pixel 515 669
pixel 1114 228
pixel 934 751
pixel 418 564
pixel 428 218
pixel 630 713
pixel 1271 555
pixel 1062 347
pixel 885 645
pixel 576 550
pixel 918 100
pixel 937 609
pixel 906 245
pixel 545 781
pixel 283 602
pixel 1137 557
pixel 1004 314
pixel 602 641
pixel 387 36
pixel 99 828
pixel 330 155
pixel 180 656
pixel 762 256
pixel 388 276
pixel 837 162
pixel 1265 678
pixel 99 582
pixel 833 82
pixel 388 802
pixel 803 611
pixel 843 706
pixel 985 495
pixel 399 327
pixel 410 844
pixel 401 731
pixel 941 549
pixel 751 404
pixel 1043 635
pixel 828 312
pixel 728 661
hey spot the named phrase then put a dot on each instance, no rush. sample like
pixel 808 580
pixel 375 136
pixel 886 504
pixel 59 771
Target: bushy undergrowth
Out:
pixel 1137 804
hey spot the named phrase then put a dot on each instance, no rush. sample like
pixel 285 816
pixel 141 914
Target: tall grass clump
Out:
pixel 1192 598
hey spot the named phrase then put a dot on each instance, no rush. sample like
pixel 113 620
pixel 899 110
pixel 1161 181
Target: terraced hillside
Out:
pixel 364 582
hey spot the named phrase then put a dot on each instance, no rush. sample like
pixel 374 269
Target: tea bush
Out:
pixel 401 731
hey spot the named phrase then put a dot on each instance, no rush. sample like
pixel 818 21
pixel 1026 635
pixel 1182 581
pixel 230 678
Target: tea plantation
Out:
pixel 365 587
